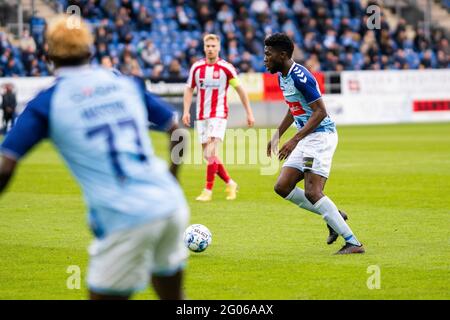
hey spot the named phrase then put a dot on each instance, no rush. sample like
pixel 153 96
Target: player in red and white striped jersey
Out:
pixel 212 76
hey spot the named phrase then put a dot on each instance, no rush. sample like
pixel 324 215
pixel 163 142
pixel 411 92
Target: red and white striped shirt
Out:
pixel 212 82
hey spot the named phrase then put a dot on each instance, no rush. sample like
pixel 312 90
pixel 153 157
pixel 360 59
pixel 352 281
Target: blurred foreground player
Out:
pixel 98 121
pixel 181 136
pixel 309 153
pixel 212 76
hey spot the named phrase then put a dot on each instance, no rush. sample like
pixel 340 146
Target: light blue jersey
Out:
pixel 99 122
pixel 300 88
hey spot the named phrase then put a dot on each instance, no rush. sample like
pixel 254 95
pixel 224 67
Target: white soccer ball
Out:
pixel 197 237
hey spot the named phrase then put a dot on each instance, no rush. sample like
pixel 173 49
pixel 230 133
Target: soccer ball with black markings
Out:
pixel 197 237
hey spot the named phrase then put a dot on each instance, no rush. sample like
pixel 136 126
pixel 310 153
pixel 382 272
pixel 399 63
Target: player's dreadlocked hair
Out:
pixel 280 41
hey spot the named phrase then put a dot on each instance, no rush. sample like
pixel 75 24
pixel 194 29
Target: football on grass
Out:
pixel 197 237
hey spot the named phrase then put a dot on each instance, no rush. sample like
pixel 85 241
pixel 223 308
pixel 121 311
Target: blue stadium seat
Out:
pixel 171 40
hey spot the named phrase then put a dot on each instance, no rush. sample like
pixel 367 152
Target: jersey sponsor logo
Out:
pixel 89 92
pixel 205 84
pixel 209 84
pixel 296 108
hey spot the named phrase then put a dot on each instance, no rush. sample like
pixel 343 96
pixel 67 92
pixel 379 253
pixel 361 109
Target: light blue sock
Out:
pixel 331 215
pixel 297 196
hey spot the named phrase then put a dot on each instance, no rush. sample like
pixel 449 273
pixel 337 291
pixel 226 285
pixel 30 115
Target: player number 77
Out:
pixel 106 130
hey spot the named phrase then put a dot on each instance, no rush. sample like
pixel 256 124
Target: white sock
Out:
pixel 331 215
pixel 231 182
pixel 297 196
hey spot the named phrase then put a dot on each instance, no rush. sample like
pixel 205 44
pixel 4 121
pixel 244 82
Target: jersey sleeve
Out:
pixel 232 75
pixel 306 84
pixel 233 72
pixel 191 79
pixel 230 71
pixel 161 115
pixel 140 83
pixel 31 127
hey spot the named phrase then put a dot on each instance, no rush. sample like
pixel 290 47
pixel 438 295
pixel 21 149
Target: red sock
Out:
pixel 211 170
pixel 222 172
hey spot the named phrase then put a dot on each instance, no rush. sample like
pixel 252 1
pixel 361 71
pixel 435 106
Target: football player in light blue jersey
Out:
pixel 99 121
pixel 309 153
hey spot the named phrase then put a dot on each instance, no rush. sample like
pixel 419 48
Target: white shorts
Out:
pixel 123 262
pixel 213 127
pixel 314 153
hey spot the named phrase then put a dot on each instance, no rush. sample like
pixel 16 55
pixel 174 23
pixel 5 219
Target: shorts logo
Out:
pixel 308 163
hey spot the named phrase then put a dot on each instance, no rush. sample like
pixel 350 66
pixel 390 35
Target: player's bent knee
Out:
pixel 313 195
pixel 282 190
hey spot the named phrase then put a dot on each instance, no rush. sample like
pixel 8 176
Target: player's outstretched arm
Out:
pixel 187 101
pixel 7 166
pixel 246 103
pixel 31 127
pixel 284 125
pixel 318 114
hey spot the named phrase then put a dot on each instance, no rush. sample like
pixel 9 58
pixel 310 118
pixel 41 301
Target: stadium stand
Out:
pixel 160 39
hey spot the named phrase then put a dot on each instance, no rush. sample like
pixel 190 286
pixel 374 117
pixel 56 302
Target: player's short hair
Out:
pixel 281 42
pixel 69 40
pixel 211 36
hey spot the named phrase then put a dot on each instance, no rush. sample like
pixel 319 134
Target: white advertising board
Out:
pixel 396 82
pixel 367 110
pixel 369 106
pixel 27 88
pixel 378 109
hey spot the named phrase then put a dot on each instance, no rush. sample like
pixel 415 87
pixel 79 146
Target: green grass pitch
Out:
pixel 393 181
